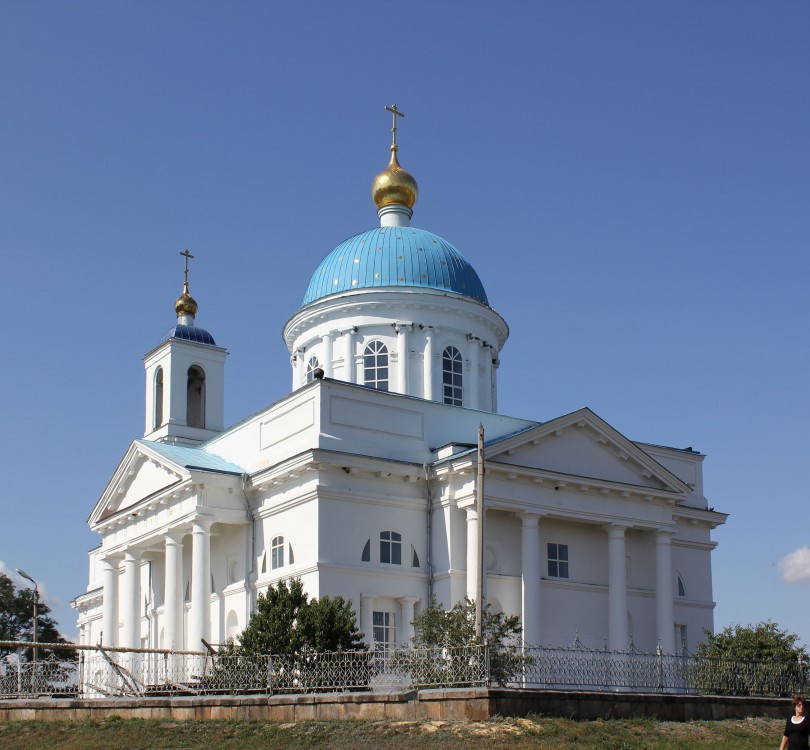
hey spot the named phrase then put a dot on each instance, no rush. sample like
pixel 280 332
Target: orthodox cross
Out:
pixel 187 255
pixel 394 114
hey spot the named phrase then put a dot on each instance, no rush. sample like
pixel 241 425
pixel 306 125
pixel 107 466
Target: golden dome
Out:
pixel 394 185
pixel 185 304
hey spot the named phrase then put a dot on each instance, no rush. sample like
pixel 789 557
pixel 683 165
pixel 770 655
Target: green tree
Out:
pixel 329 624
pixel 287 622
pixel 435 626
pixel 17 621
pixel 272 628
pixel 757 659
pixel 451 629
pixel 298 633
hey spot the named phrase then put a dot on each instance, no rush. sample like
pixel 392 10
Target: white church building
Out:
pixel 362 481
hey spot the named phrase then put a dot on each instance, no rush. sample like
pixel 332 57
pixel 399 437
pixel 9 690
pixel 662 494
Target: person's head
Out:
pixel 797 704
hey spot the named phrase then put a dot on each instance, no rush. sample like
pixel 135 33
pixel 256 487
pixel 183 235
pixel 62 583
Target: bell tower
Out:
pixel 185 379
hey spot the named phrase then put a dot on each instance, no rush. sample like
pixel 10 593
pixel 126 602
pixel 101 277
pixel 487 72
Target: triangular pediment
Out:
pixel 583 445
pixel 142 474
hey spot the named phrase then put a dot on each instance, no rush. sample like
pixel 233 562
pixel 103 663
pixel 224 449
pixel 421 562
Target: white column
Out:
pixel 348 356
pixel 495 364
pixel 618 637
pixel 295 361
pixel 473 562
pixel 407 604
pixel 367 617
pixel 530 577
pixel 664 594
pixel 427 366
pixel 403 357
pixel 199 620
pixel 471 389
pixel 130 600
pixel 488 375
pixel 173 592
pixel 109 617
pixel 327 355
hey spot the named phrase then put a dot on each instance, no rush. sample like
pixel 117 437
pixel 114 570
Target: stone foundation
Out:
pixel 460 704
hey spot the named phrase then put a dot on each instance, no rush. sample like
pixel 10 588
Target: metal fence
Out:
pixel 580 668
pixel 96 672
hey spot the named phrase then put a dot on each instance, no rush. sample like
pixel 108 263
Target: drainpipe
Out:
pixel 251 550
pixel 426 467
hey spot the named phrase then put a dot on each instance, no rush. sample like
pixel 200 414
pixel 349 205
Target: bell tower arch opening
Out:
pixel 195 397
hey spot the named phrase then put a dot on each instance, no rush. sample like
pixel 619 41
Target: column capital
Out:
pixel 408 599
pixel 529 518
pixel 202 525
pixel 663 536
pixel 132 554
pixel 174 537
pixel 472 513
pixel 367 597
pixel 615 530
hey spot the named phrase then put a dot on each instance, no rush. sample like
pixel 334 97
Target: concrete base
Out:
pixel 459 704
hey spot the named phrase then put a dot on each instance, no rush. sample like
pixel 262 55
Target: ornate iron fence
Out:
pixel 97 672
pixel 578 668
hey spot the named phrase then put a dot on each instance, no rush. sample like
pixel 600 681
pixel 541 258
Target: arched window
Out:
pixel 158 398
pixel 681 588
pixel 232 625
pixel 391 547
pixel 312 365
pixel 195 394
pixel 366 556
pixel 375 366
pixel 277 553
pixel 451 376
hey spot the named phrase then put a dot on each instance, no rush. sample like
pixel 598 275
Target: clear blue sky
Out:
pixel 631 181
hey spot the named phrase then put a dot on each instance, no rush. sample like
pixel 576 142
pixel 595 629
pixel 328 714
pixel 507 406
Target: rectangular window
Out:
pixel 390 547
pixel 385 628
pixel 557 560
pixel 277 553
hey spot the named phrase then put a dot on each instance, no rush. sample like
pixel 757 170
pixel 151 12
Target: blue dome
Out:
pixel 395 257
pixel 189 333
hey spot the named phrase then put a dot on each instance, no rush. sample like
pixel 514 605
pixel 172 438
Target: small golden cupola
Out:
pixel 394 189
pixel 186 306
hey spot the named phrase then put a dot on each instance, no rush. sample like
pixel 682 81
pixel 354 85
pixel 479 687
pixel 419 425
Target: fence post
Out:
pixel 660 653
pixel 269 681
pixel 487 665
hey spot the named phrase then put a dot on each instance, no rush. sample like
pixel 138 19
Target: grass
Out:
pixel 499 734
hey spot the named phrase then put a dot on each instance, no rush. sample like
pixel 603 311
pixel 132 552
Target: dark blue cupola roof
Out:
pixel 189 333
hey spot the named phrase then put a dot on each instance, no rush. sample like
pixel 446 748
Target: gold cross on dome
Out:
pixel 187 255
pixel 394 114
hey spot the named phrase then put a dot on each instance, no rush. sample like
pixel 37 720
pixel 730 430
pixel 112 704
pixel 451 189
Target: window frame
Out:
pixel 376 361
pixel 558 560
pixel 384 623
pixel 312 365
pixel 390 547
pixel 452 371
pixel 277 553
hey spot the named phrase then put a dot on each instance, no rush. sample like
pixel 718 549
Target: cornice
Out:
pixel 390 302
